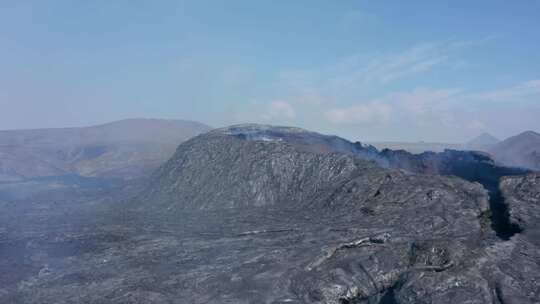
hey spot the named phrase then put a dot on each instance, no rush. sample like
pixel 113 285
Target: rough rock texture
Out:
pixel 239 219
pixel 381 235
pixel 274 173
pixel 522 195
pixel 469 165
pixel 519 259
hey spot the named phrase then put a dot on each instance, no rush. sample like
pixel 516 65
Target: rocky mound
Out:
pixel 338 229
pixel 227 169
pixel 278 143
pixel 522 150
pixel 522 195
pixel 469 165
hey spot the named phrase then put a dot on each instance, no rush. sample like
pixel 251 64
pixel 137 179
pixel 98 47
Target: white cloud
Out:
pixel 422 106
pixel 351 77
pixel 279 109
pixel 448 108
pixel 311 97
pixel 476 125
pixel 366 113
pixel 380 69
pixel 448 119
pixel 326 96
pixel 525 91
pixel 423 100
pixel 418 59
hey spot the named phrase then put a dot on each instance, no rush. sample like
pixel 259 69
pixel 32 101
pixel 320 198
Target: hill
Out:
pixel 482 142
pixel 416 147
pixel 338 227
pixel 124 149
pixel 522 150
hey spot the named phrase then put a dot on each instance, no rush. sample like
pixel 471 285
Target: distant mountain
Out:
pixel 416 147
pixel 123 149
pixel 482 142
pixel 522 150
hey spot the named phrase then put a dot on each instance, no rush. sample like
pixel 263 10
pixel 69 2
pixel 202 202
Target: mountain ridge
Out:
pixel 116 149
pixel 522 150
pixel 482 142
pixel 468 165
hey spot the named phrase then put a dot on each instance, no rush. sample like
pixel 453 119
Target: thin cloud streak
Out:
pixel 279 109
pixel 364 113
pixel 354 92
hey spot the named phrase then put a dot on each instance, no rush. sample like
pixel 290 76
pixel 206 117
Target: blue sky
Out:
pixel 366 70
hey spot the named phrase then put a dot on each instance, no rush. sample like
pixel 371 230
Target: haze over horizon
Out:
pixel 364 71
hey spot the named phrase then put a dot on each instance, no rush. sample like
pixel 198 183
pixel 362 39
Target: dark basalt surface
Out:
pixel 522 196
pixel 235 217
pixel 470 165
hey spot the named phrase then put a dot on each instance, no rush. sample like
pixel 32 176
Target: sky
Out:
pixel 441 71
